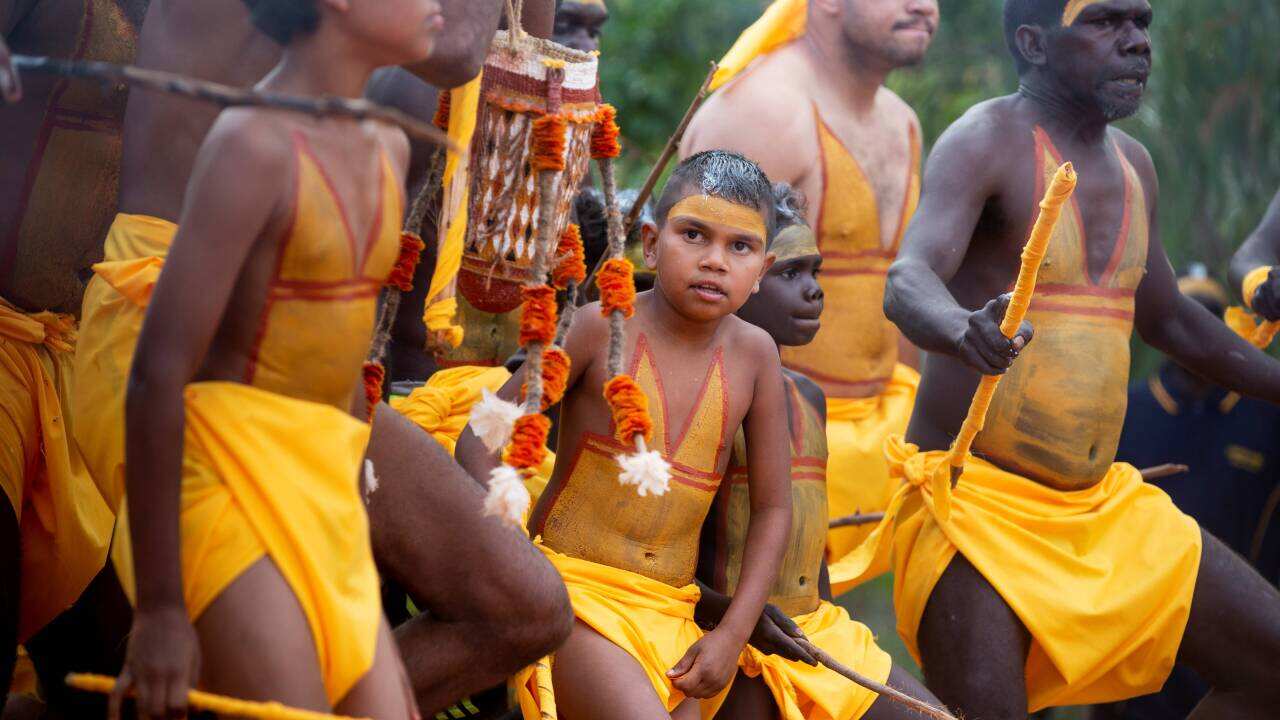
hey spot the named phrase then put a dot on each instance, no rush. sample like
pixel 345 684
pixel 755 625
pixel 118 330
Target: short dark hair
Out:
pixel 722 174
pixel 1045 13
pixel 284 20
pixel 789 206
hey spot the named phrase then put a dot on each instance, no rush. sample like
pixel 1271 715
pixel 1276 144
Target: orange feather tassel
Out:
pixel 411 247
pixel 441 120
pixel 617 284
pixel 549 140
pixel 630 409
pixel 374 373
pixel 572 260
pixel 528 446
pixel 604 136
pixel 538 315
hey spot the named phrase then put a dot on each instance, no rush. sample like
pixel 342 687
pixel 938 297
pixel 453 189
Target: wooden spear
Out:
pixel 223 706
pixel 880 689
pixel 856 519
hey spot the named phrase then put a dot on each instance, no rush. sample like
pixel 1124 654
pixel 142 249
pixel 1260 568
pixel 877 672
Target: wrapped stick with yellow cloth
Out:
pixel 1244 321
pixel 222 705
pixel 1060 190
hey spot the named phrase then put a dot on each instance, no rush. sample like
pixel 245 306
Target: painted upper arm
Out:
pixel 960 177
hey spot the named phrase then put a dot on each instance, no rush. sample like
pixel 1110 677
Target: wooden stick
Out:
pixel 1064 183
pixel 1163 471
pixel 885 691
pixel 673 144
pixel 855 520
pixel 213 703
pixel 228 96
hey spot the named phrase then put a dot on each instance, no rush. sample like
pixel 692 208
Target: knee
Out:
pixel 529 615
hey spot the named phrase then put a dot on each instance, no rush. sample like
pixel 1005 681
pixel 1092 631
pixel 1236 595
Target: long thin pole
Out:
pixel 227 96
pixel 881 689
pixel 219 704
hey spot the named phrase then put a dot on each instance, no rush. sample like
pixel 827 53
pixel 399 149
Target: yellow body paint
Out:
pixel 1073 10
pixel 794 242
pixel 719 211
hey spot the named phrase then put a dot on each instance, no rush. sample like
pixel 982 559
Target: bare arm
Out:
pixel 960 177
pixel 222 219
pixel 1182 328
pixel 460 50
pixel 1261 249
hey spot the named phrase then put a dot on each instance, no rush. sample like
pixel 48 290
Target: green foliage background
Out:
pixel 1209 120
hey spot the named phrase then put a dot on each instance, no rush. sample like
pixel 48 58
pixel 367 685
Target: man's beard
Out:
pixel 1114 110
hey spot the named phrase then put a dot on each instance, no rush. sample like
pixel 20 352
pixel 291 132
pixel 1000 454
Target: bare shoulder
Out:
pixel 896 110
pixel 1138 156
pixel 258 140
pixel 765 114
pixel 749 341
pixel 588 323
pixel 396 143
pixel 977 144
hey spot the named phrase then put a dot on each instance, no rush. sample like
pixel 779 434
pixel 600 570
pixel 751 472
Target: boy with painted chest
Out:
pixel 629 561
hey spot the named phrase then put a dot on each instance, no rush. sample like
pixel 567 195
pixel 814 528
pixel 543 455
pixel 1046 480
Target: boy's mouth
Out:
pixel 709 291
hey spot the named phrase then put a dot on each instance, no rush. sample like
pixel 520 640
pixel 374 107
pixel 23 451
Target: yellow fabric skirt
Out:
pixel 63 520
pixel 115 303
pixel 857 475
pixel 805 692
pixel 264 474
pixel 442 407
pixel 1102 578
pixel 650 620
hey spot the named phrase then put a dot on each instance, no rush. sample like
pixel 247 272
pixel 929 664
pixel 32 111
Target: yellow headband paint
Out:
pixel 719 211
pixel 1073 10
pixel 794 242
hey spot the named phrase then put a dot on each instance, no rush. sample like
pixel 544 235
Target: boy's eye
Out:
pixel 692 234
pixel 741 246
pixel 790 274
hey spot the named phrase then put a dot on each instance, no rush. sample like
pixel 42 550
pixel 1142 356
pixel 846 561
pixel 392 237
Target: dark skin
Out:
pixel 578 25
pixel 475 633
pixel 236 214
pixel 788 307
pixel 1262 247
pixel 962 250
pixel 706 271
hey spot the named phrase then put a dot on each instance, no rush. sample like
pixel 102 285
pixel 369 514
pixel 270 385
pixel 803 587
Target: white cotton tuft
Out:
pixel 370 480
pixel 492 420
pixel 647 471
pixel 508 498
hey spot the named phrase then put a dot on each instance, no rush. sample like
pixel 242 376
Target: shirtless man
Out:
pixel 59 158
pixel 814 113
pixel 494 604
pixel 1061 578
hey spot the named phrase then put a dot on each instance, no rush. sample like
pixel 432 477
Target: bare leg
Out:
pixel 256 644
pixel 597 680
pixel 10 581
pixel 494 603
pixel 900 679
pixel 384 692
pixel 91 636
pixel 689 709
pixel 750 699
pixel 974 647
pixel 1233 637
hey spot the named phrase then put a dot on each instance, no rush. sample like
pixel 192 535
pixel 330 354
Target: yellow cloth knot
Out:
pixel 55 331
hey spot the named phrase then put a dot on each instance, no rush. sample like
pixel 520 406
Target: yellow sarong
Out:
pixel 651 620
pixel 265 474
pixel 64 522
pixel 115 303
pixel 442 407
pixel 805 692
pixel 1102 578
pixel 858 478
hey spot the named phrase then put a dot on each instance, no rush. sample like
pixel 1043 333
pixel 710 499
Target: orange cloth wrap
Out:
pixel 528 446
pixel 604 136
pixel 1102 577
pixel 411 247
pixel 549 141
pixel 64 523
pixel 617 284
pixel 538 315
pixel 571 264
pixel 630 408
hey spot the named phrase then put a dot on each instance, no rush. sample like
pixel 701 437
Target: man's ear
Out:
pixel 1030 41
pixel 649 237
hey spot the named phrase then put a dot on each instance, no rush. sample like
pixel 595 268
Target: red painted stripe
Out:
pixel 1077 310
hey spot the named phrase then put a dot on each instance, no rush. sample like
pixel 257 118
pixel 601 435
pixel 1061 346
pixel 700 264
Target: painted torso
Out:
pixel 795 591
pixel 1058 412
pixel 325 286
pixel 60 151
pixel 854 356
pixel 588 514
